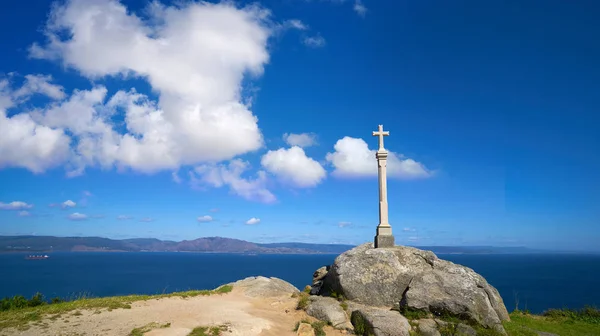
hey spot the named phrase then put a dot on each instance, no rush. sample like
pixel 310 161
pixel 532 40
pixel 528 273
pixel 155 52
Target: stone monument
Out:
pixel 384 237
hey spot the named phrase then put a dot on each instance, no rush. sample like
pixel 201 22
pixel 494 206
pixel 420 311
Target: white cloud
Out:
pixel 87 193
pixel 124 217
pixel 352 158
pixel 360 8
pixel 407 229
pixel 175 177
pixel 293 167
pixel 344 224
pixel 25 143
pixel 295 24
pixel 15 205
pixel 147 219
pixel 24 213
pixel 76 216
pixel 316 41
pixel 219 175
pixel 253 221
pixel 413 239
pixel 68 204
pixel 300 140
pixel 39 84
pixel 204 219
pixel 195 56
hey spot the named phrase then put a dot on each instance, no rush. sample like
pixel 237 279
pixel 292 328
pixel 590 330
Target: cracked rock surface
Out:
pixel 411 278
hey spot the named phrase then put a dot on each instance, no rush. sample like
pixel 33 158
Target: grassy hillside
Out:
pixel 563 322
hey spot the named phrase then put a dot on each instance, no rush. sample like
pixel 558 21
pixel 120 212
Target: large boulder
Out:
pixel 261 286
pixel 379 322
pixel 414 279
pixel 329 310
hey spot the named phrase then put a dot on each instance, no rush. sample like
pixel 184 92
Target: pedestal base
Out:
pixel 384 241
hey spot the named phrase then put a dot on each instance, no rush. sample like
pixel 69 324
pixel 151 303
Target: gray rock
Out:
pixel 414 279
pixel 379 322
pixel 543 333
pixel 428 327
pixel 319 274
pixel 317 282
pixel 329 310
pixel 265 287
pixel 465 330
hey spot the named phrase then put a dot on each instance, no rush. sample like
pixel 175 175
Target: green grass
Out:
pixel 562 322
pixel 19 318
pixel 208 331
pixel 148 327
pixel 318 328
pixel 302 301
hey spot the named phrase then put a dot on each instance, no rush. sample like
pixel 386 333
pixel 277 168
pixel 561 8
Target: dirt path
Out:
pixel 244 315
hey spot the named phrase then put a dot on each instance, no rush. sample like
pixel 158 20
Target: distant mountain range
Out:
pixel 45 244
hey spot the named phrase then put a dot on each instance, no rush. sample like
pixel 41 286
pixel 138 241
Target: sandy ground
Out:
pixel 244 315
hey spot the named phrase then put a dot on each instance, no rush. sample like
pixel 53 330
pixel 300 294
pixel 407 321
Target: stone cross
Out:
pixel 384 237
pixel 381 134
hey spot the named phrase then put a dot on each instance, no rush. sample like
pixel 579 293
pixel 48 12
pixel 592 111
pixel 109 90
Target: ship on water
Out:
pixel 37 257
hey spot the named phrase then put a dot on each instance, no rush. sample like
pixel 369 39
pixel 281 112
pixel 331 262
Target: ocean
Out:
pixel 539 281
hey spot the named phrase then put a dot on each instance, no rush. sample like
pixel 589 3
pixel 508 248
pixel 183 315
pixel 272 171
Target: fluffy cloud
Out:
pixel 253 221
pixel 68 204
pixel 219 175
pixel 25 142
pixel 76 216
pixel 300 140
pixel 124 217
pixel 316 41
pixel 195 56
pixel 15 205
pixel 39 84
pixel 293 167
pixel 147 219
pixel 24 213
pixel 344 224
pixel 204 219
pixel 352 158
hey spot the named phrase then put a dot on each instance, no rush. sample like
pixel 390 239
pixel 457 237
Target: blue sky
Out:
pixel 252 121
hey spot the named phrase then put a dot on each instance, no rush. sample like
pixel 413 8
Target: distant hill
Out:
pixel 39 244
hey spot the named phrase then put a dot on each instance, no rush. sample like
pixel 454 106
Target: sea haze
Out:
pixel 541 281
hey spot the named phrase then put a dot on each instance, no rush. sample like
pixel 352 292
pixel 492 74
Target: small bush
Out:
pixel 413 314
pixel 449 329
pixel 307 289
pixel 302 302
pixel 344 305
pixel 318 327
pixel 361 326
pixel 587 314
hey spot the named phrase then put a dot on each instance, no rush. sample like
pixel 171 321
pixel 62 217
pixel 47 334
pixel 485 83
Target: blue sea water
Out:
pixel 540 281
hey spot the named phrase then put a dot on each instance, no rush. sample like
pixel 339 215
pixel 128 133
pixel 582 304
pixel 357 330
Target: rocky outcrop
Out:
pixel 265 287
pixel 318 277
pixel 329 310
pixel 414 279
pixel 379 322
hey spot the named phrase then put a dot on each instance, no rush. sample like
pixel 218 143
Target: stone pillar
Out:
pixel 384 237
